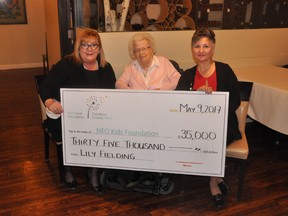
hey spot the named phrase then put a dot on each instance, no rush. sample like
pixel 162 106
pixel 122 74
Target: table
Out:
pixel 269 96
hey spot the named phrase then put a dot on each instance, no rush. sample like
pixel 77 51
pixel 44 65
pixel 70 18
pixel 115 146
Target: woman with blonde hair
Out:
pixel 85 67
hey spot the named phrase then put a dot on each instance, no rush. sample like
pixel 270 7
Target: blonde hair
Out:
pixel 139 37
pixel 86 35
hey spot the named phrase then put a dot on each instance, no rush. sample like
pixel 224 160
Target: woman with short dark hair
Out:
pixel 208 76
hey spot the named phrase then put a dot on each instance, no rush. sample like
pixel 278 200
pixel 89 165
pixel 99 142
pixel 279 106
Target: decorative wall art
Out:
pixel 13 12
pixel 167 15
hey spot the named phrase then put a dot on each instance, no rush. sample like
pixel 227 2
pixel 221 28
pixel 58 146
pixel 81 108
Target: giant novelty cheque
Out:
pixel 180 132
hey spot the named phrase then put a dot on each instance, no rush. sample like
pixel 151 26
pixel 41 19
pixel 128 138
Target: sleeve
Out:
pixel 185 82
pixel 234 90
pixel 123 81
pixel 110 80
pixel 173 76
pixel 232 82
pixel 50 87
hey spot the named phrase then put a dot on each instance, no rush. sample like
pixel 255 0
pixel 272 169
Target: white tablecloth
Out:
pixel 269 96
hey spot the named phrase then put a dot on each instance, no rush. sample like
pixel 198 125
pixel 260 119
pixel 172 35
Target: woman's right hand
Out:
pixel 54 106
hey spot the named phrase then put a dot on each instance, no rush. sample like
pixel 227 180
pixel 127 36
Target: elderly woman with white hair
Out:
pixel 147 71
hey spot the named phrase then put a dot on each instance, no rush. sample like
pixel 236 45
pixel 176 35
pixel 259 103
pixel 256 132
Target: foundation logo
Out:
pixel 94 103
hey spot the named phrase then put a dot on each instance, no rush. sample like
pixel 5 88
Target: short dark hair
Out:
pixel 203 32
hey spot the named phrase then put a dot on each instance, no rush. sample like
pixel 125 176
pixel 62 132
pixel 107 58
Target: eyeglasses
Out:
pixel 86 46
pixel 144 49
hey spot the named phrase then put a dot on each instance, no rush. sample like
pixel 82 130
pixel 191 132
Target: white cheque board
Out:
pixel 159 131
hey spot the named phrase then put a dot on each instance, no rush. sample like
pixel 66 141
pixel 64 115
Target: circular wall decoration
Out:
pixel 157 12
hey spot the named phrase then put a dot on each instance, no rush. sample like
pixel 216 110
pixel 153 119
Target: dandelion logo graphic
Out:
pixel 94 103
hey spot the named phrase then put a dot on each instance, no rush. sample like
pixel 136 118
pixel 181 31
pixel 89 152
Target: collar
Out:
pixel 155 63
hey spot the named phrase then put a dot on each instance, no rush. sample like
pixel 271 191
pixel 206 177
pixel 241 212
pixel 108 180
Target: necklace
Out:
pixel 91 66
pixel 206 71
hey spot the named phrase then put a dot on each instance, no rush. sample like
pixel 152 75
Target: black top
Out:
pixel 67 74
pixel 226 81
